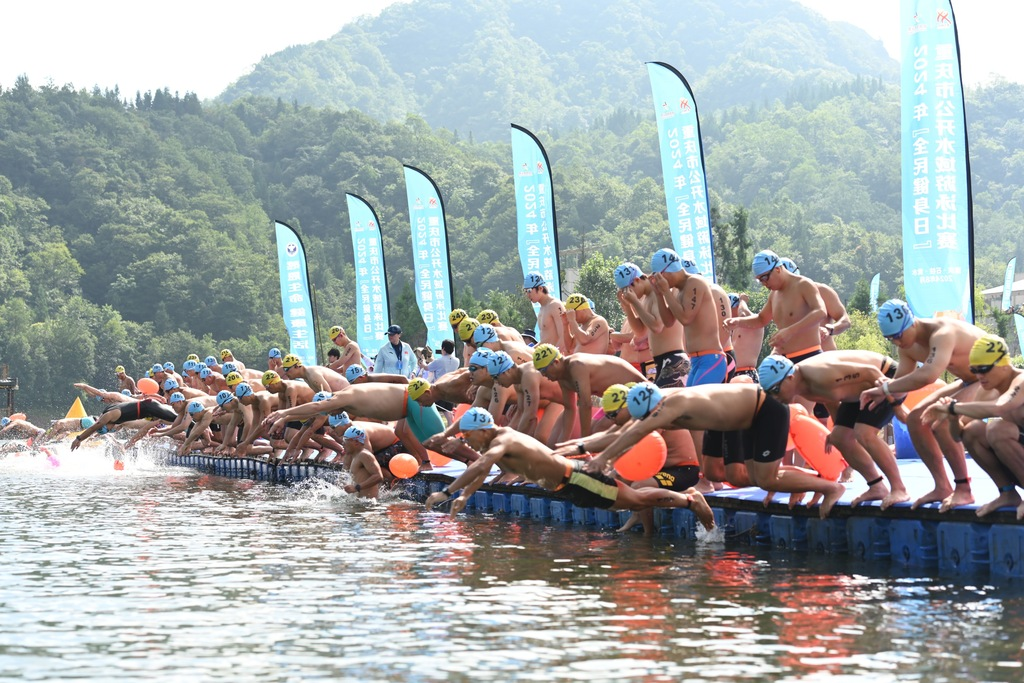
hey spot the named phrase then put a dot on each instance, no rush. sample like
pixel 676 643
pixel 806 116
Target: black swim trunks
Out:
pixel 146 409
pixel 385 455
pixel 769 434
pixel 678 478
pixel 731 445
pixel 673 367
pixel 587 490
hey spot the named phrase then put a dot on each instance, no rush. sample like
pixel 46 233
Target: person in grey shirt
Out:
pixel 444 363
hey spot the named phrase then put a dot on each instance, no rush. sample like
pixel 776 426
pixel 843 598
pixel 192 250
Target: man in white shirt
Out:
pixel 443 364
pixel 395 357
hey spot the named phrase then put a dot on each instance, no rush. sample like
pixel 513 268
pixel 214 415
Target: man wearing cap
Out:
pixel 227 357
pixel 274 357
pixel 105 396
pixel 723 407
pixel 395 357
pixel 486 337
pixel 840 377
pixel 318 377
pixel 504 332
pixel 529 337
pixel 794 304
pixel 521 454
pixel 588 331
pixel 938 344
pixel 122 413
pixel 362 466
pixel 124 381
pixel 535 393
pixel 746 342
pixel 261 404
pixel 20 428
pixel 639 302
pixel 991 424
pixel 549 316
pixel 580 376
pixel 351 354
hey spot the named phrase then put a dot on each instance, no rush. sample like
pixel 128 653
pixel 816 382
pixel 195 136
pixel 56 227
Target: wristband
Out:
pixel 885 389
pixel 358 488
pixel 831 330
pixel 952 407
pixel 581 449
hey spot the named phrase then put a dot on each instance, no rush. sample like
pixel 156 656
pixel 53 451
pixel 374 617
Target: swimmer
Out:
pixel 351 354
pixel 639 302
pixel 588 331
pixel 318 377
pixel 362 465
pixel 549 316
pixel 148 408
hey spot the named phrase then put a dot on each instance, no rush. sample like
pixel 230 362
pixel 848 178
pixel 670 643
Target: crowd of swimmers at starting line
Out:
pixel 560 409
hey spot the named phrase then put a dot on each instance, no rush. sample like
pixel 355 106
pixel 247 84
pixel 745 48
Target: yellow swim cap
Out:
pixel 270 377
pixel 418 387
pixel 334 332
pixel 225 353
pixel 192 356
pixel 467 327
pixel 119 369
pixel 291 360
pixel 233 379
pixel 989 350
pixel 544 355
pixel 576 301
pixel 614 398
pixel 457 316
pixel 487 317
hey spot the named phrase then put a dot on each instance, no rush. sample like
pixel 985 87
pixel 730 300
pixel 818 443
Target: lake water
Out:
pixel 162 574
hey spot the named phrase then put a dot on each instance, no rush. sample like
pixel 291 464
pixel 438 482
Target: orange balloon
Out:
pixel 643 460
pixel 403 466
pixel 797 409
pixel 809 438
pixel 148 386
pixel 118 465
pixel 918 395
pixel 437 459
pixel 18 416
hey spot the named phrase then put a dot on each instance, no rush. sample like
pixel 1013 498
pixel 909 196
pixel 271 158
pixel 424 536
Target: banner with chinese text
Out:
pixel 296 302
pixel 682 166
pixel 429 255
pixel 535 209
pixel 938 230
pixel 1007 302
pixel 372 313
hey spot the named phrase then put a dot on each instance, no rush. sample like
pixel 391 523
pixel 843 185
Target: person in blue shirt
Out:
pixel 395 357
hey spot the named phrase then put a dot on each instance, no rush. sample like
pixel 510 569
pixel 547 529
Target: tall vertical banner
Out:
pixel 535 209
pixel 875 284
pixel 430 255
pixel 1007 302
pixel 682 166
pixel 296 302
pixel 372 313
pixel 938 227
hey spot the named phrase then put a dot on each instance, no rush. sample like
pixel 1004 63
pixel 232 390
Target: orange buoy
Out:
pixel 809 438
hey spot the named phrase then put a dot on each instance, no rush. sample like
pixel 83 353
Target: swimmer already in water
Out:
pixel 524 455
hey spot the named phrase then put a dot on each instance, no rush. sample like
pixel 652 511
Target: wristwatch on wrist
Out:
pixel 580 448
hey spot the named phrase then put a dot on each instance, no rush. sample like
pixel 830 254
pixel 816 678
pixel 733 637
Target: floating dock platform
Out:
pixel 956 541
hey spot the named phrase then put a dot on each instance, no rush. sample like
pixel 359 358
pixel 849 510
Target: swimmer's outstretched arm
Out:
pixel 469 481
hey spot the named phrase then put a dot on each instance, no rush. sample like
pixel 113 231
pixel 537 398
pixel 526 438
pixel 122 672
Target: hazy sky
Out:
pixel 204 46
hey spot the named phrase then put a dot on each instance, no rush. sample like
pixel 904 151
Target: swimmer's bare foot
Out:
pixel 961 496
pixel 796 499
pixel 704 486
pixel 700 507
pixel 936 495
pixel 846 476
pixel 830 499
pixel 633 520
pixel 877 491
pixel 1005 499
pixel 895 496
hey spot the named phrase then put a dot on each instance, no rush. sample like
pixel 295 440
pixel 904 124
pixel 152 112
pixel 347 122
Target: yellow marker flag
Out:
pixel 76 410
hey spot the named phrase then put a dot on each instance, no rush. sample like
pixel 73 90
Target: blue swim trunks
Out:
pixel 707 368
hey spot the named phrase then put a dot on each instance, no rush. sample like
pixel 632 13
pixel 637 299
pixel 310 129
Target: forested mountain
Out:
pixel 472 66
pixel 136 231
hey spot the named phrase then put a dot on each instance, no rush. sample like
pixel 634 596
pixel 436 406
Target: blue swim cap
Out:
pixel 243 389
pixel 170 384
pixel 533 280
pixel 322 396
pixel 103 430
pixel 666 261
pixel 481 357
pixel 773 370
pixel 339 420
pixel 894 317
pixel 205 372
pixel 690 267
pixel 228 368
pixel 642 399
pixel 176 397
pixel 476 418
pixel 169 366
pixel 87 422
pixel 354 372
pixel 274 353
pixel 194 407
pixel 4 421
pixel 188 365
pixel 764 261
pixel 98 398
pixel 210 361
pixel 355 433
pixel 224 397
pixel 789 265
pixel 498 363
pixel 156 368
pixel 734 300
pixel 125 392
pixel 484 334
pixel 625 274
